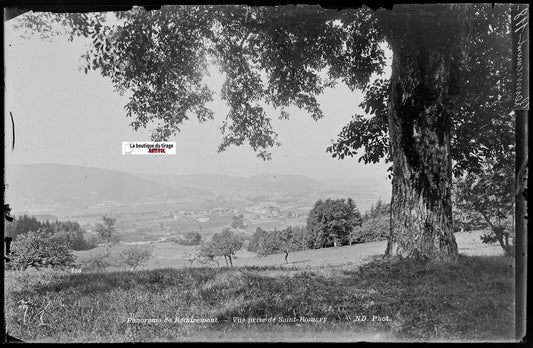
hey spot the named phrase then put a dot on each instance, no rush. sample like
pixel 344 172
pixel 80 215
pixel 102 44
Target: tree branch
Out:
pixel 494 229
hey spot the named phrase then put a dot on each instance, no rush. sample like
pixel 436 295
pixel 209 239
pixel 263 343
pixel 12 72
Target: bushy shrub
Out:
pixel 136 255
pixel 371 230
pixel 189 238
pixel 40 249
pixel 207 254
pixel 96 263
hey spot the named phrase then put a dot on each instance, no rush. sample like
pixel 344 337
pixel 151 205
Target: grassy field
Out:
pixel 351 293
pixel 383 300
pixel 171 254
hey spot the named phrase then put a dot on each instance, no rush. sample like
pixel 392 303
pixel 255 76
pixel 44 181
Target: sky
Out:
pixel 65 116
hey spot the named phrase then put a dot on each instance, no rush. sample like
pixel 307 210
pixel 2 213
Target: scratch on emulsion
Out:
pixel 13 126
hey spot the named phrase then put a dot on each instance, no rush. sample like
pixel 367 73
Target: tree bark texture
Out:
pixel 423 82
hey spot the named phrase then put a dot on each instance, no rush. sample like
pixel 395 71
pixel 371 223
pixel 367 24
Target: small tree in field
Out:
pixel 287 243
pixel 283 241
pixel 106 232
pixel 135 256
pixel 40 249
pixel 227 243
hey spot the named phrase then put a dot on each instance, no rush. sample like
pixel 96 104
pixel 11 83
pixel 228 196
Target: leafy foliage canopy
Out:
pixel 40 249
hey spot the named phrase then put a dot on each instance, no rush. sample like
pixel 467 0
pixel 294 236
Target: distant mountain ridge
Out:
pixel 223 184
pixel 67 184
pixel 78 186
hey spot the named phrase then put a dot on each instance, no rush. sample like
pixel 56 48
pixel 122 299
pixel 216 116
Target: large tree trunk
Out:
pixel 423 82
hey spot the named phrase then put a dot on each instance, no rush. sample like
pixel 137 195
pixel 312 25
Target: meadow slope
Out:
pixel 170 254
pixel 360 299
pixel 472 300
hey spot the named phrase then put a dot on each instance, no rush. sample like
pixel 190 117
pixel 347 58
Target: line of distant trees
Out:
pixel 338 222
pixel 33 243
pixel 70 231
pixel 330 223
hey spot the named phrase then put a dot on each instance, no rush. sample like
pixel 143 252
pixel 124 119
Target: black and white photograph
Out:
pixel 265 173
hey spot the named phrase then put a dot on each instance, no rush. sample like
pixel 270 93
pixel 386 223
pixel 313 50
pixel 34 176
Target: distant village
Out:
pixel 261 211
